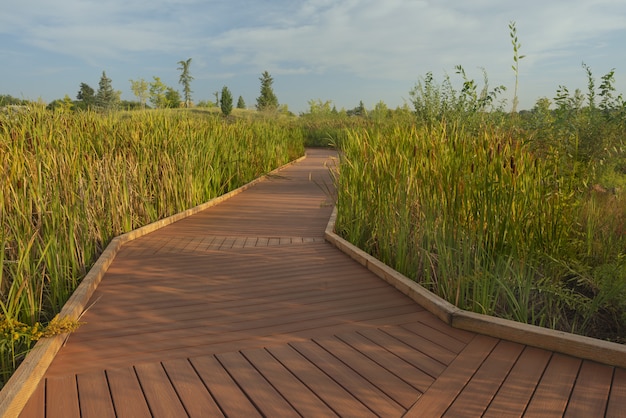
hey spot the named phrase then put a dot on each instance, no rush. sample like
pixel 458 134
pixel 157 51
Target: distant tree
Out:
pixel 380 111
pixel 106 97
pixel 172 98
pixel 205 103
pixel 185 80
pixel 318 107
pixel 140 89
pixel 358 111
pixel 131 105
pixel 86 96
pixel 240 103
pixel 157 93
pixel 226 104
pixel 68 105
pixel 7 100
pixel 267 100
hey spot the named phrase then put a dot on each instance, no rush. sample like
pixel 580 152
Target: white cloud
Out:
pixel 393 40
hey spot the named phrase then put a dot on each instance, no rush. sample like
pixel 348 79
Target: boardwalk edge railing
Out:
pixel 24 381
pixel 605 352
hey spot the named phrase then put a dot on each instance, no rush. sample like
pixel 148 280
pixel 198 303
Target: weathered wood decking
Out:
pixel 244 310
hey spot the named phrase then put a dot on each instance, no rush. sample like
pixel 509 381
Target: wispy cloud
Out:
pixel 395 40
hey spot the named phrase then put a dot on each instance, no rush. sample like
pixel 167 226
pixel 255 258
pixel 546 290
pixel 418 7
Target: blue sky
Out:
pixel 343 51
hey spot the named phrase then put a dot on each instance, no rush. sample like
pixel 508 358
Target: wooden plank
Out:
pixel 335 396
pixel 272 322
pixel 436 336
pixel 157 388
pixel 439 353
pixel 436 400
pixel 480 390
pixel 62 397
pixel 388 383
pixel 519 386
pixel 232 341
pixel 591 391
pixel 257 388
pixel 617 399
pixel 36 405
pixel 555 387
pixel 94 396
pixel 354 383
pixel 390 361
pixel 197 313
pixel 195 397
pixel 227 394
pixel 293 390
pixel 404 351
pixel 456 333
pixel 127 395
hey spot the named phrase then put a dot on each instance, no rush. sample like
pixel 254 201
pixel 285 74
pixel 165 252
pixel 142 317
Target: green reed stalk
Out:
pixel 74 181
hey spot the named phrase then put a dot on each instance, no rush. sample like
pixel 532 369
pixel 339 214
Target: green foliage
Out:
pixel 226 102
pixel 507 231
pixel 435 102
pixel 106 98
pixel 172 98
pixel 86 97
pixel 267 101
pixel 380 112
pixel 141 91
pixel 320 108
pixel 157 93
pixel 8 100
pixel 358 111
pixel 241 104
pixel 185 80
pixel 73 181
pixel 516 59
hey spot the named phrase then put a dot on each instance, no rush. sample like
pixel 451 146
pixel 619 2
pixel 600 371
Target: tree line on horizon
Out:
pixel 156 93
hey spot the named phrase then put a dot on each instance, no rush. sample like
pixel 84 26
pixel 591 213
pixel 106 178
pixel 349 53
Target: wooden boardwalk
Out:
pixel 244 310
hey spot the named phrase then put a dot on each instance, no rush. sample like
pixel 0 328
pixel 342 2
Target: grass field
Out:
pixel 73 181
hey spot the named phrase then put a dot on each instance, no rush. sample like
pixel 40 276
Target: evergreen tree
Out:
pixel 226 104
pixel 106 97
pixel 185 80
pixel 267 100
pixel 240 103
pixel 86 96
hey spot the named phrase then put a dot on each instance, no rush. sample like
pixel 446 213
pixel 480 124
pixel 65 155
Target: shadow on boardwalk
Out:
pixel 244 310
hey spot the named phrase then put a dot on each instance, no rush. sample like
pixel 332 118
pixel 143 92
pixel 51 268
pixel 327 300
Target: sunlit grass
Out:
pixel 483 222
pixel 73 181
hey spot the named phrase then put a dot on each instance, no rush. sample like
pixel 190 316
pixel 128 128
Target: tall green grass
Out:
pixel 73 181
pixel 479 218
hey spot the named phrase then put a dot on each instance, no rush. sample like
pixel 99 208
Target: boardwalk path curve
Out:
pixel 244 310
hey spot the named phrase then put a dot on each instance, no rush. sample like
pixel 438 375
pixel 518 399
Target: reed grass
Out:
pixel 73 181
pixel 484 222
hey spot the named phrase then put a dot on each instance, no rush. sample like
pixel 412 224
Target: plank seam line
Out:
pixel 299 379
pixel 211 394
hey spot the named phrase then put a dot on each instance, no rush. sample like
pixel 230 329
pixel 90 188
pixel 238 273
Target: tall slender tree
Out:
pixel 185 80
pixel 267 100
pixel 226 103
